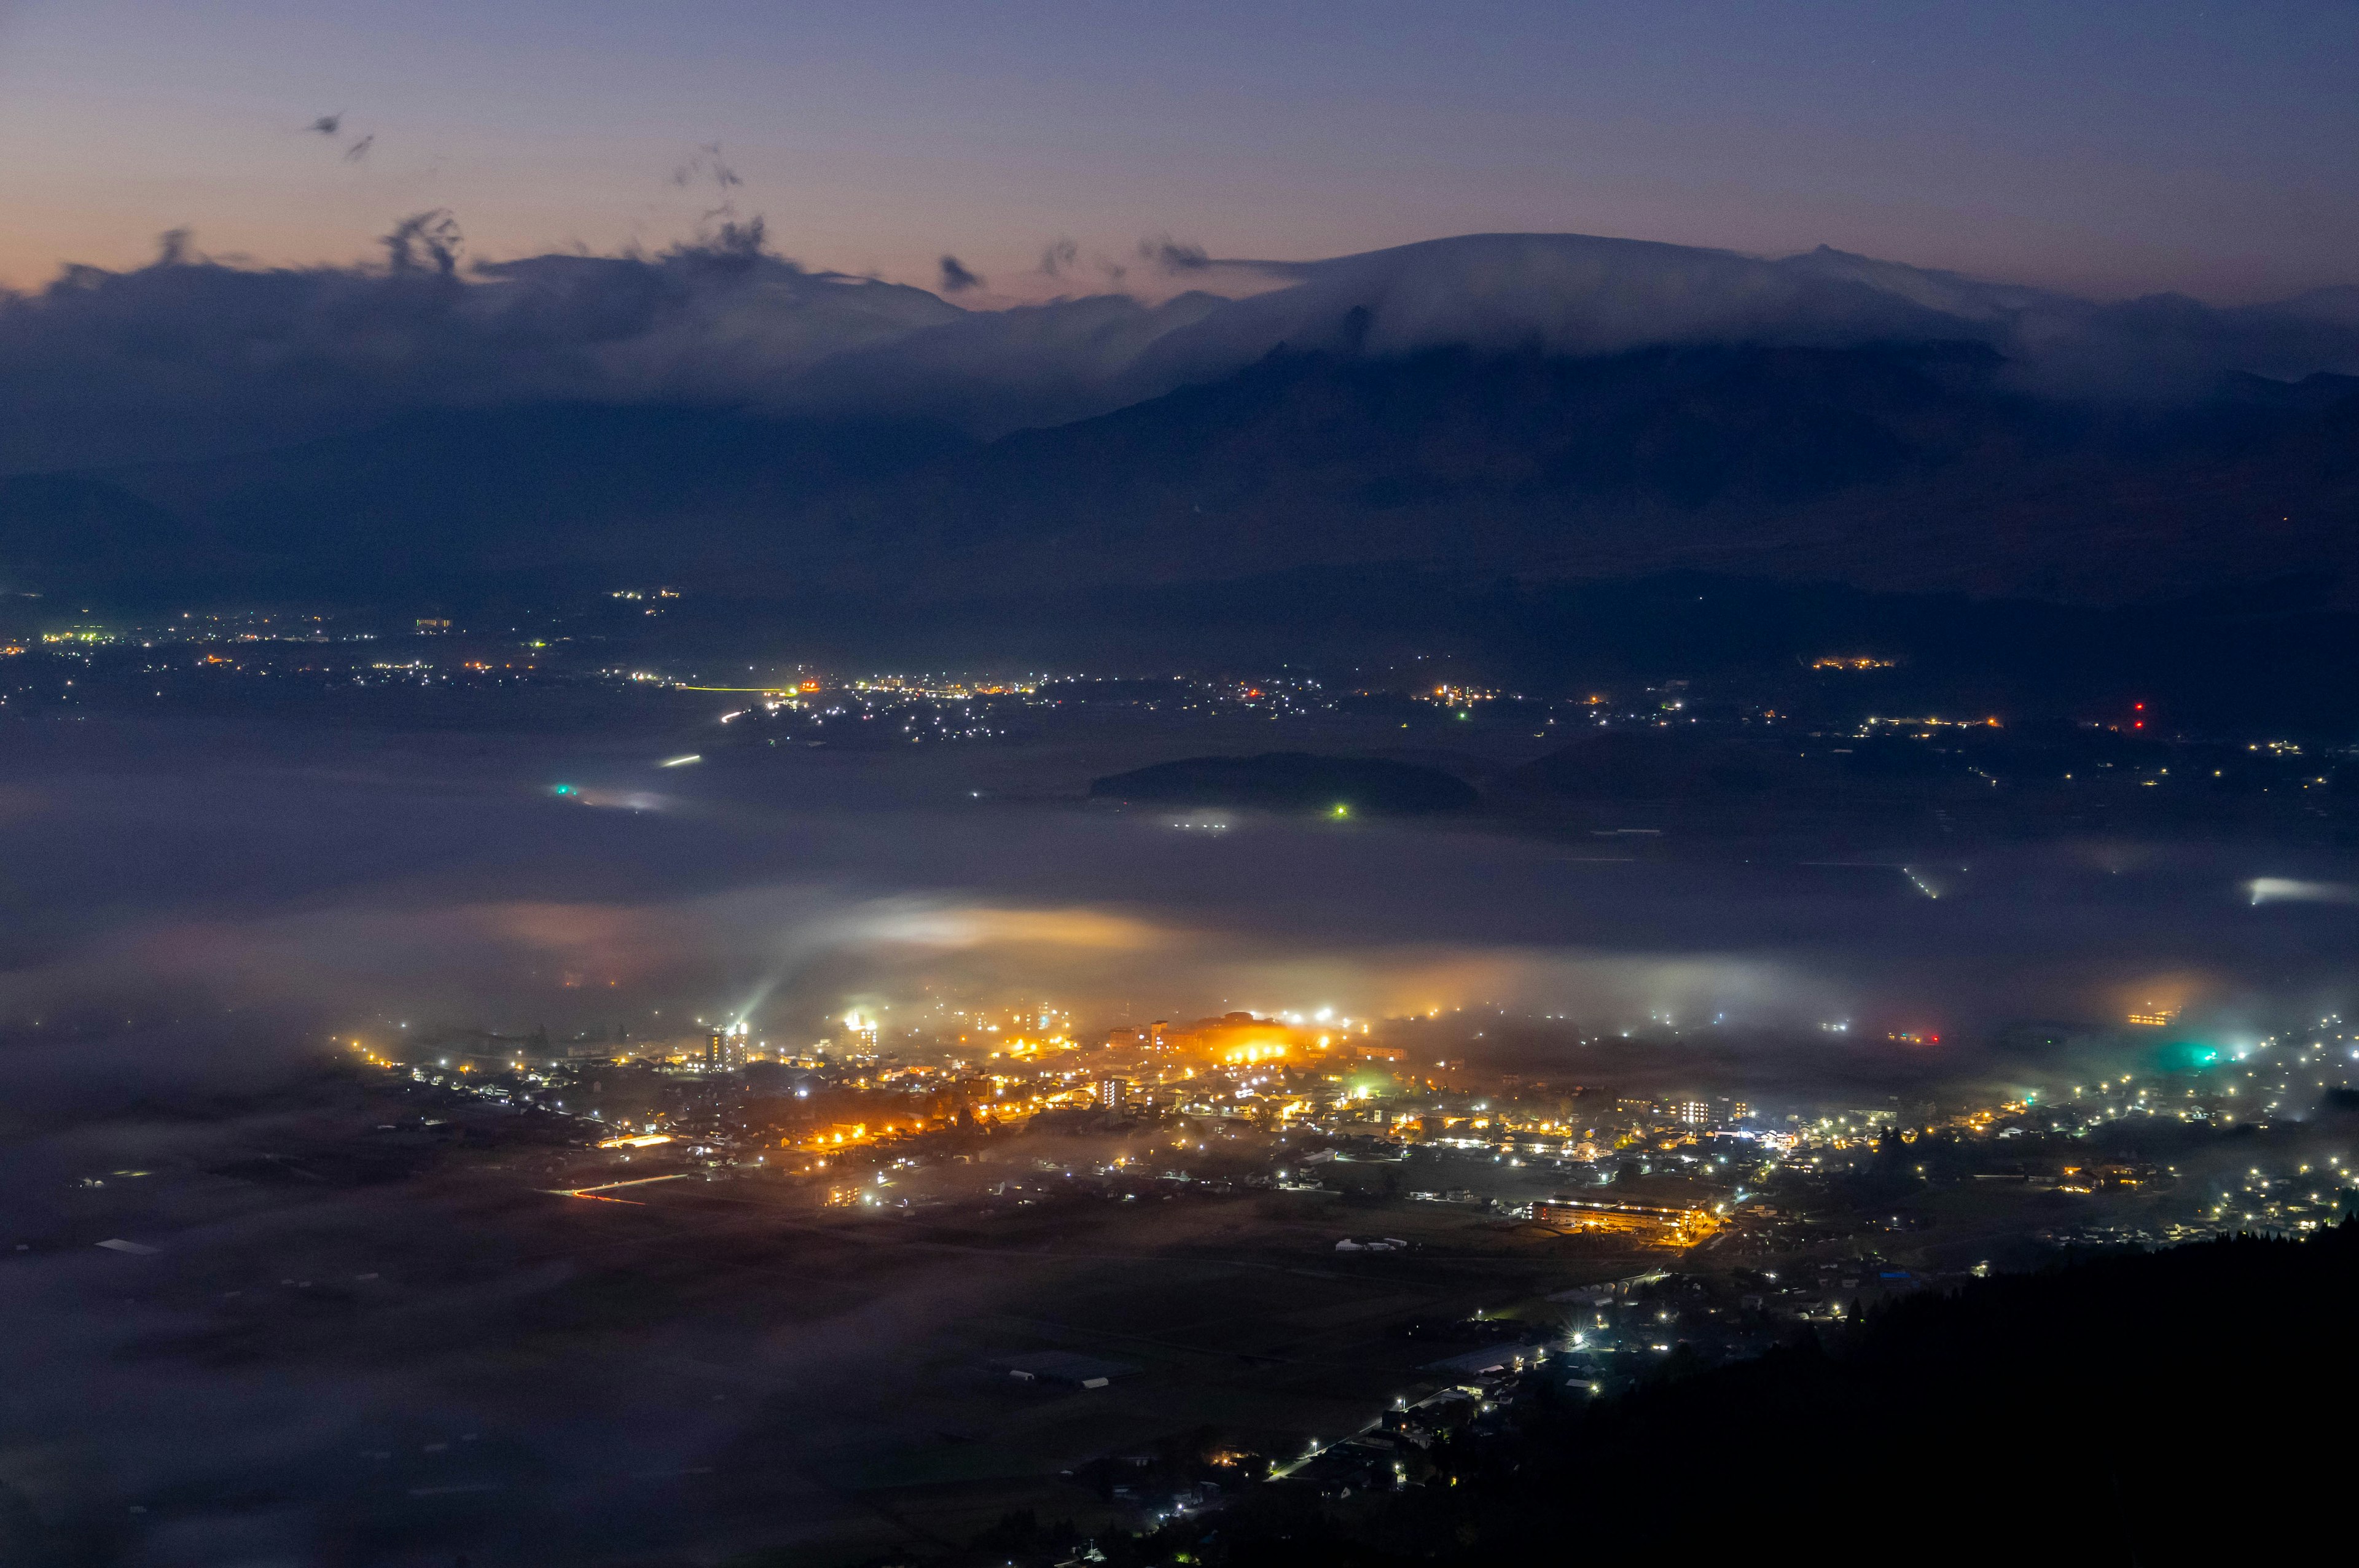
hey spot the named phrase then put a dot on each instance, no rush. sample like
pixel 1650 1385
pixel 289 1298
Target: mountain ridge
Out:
pixel 1907 468
pixel 1542 405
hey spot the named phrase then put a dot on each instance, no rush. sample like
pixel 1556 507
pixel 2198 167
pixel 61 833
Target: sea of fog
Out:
pixel 190 912
pixel 318 882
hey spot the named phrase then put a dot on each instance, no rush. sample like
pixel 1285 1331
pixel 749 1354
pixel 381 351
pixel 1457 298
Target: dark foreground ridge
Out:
pixel 1292 781
pixel 2155 1408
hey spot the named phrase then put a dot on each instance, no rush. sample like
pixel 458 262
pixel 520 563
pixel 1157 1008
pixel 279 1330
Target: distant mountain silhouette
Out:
pixel 61 530
pixel 437 499
pixel 1910 467
pixel 1897 467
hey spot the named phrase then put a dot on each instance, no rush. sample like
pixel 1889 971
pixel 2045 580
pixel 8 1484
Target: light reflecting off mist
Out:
pixel 950 925
pixel 459 895
pixel 616 799
pixel 2285 890
pixel 920 927
pixel 1433 980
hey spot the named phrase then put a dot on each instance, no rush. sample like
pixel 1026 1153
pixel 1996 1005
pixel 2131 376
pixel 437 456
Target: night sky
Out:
pixel 2105 148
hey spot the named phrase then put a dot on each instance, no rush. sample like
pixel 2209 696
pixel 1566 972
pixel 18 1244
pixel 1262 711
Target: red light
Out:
pixel 2139 706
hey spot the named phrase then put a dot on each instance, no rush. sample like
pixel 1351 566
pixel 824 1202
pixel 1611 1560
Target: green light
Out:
pixel 2184 1057
pixel 1341 811
pixel 564 789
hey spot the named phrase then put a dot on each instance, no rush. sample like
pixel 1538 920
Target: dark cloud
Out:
pixel 993 370
pixel 1578 295
pixel 1169 255
pixel 359 151
pixel 956 278
pixel 707 165
pixel 190 355
pixel 327 124
pixel 422 239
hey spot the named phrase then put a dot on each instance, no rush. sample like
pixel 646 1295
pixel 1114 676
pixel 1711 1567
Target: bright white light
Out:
pixel 2285 890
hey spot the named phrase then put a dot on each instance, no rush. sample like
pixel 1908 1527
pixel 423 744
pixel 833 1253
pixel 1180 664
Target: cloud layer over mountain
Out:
pixel 189 356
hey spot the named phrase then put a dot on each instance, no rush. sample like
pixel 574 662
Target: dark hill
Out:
pixel 2151 1409
pixel 1292 781
pixel 433 501
pixel 1916 466
pixel 70 531
pixel 1897 467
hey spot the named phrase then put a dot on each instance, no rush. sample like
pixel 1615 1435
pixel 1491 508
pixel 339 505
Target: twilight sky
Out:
pixel 2108 149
